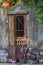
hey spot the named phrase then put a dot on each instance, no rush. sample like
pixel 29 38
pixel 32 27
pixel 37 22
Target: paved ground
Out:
pixel 18 64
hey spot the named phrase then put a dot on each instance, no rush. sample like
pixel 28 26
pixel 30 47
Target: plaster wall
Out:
pixel 34 29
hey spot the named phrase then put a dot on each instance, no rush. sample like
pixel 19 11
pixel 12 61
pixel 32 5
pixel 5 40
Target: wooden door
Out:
pixel 11 30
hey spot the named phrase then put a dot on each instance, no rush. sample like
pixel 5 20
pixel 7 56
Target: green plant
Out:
pixel 12 2
pixel 8 4
pixel 37 5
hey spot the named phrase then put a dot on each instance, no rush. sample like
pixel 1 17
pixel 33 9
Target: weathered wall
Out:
pixel 40 32
pixel 34 29
pixel 3 31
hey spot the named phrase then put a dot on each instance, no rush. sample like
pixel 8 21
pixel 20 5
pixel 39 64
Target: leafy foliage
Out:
pixel 36 4
pixel 38 7
pixel 12 2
